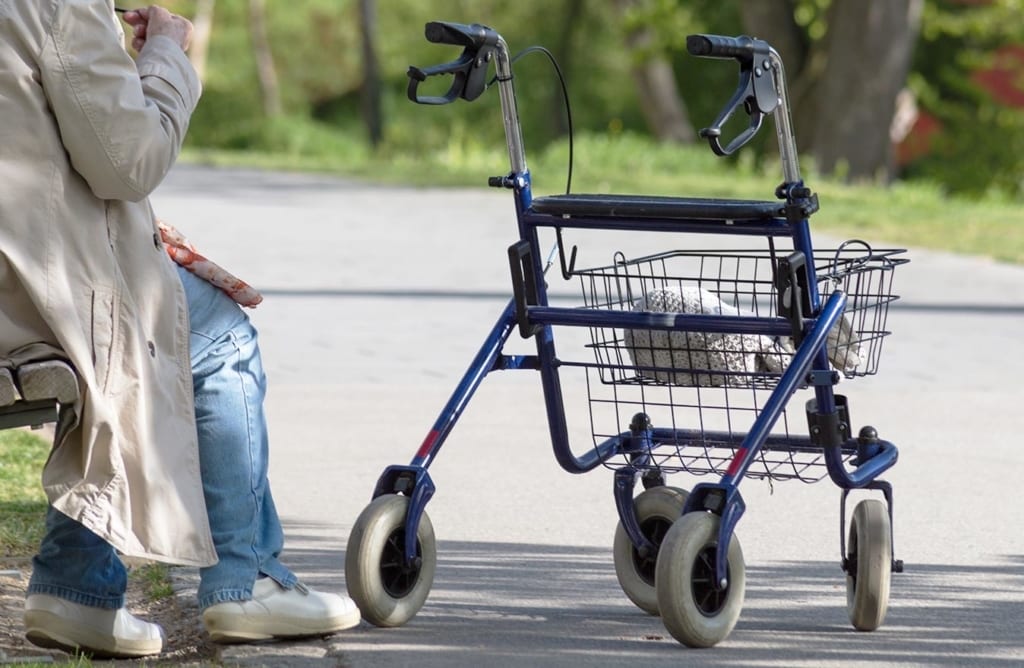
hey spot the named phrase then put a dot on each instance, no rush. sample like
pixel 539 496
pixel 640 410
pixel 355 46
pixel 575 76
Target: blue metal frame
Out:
pixel 536 318
pixel 722 498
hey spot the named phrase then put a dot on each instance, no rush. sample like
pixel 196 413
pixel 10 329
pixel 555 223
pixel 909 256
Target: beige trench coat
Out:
pixel 86 134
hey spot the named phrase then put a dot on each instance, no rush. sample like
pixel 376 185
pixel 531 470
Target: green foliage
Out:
pixel 981 147
pixel 598 80
pixel 316 46
pixel 317 53
pixel 22 455
pixel 669 21
pixel 632 163
pixel 812 16
pixel 22 501
pixel 914 214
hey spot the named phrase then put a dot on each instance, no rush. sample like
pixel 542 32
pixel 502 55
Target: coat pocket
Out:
pixel 103 333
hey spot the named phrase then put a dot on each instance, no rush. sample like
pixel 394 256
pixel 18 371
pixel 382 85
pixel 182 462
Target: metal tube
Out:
pixel 784 121
pixel 510 114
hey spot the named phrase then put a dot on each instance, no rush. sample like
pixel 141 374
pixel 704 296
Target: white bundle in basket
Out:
pixel 843 345
pixel 711 359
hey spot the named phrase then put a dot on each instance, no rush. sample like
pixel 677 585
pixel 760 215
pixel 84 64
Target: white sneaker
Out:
pixel 276 612
pixel 55 623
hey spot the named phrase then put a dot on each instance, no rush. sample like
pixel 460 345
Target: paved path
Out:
pixel 376 300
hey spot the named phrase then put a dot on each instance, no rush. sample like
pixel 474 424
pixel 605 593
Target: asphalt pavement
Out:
pixel 376 300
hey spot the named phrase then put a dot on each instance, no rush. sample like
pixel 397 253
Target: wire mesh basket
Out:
pixel 701 390
pixel 738 283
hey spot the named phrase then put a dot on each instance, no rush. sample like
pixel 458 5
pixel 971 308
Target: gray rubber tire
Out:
pixel 869 553
pixel 387 594
pixel 656 510
pixel 693 611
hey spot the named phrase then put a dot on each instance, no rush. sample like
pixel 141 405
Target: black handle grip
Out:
pixel 756 92
pixel 469 70
pixel 741 48
pixel 473 36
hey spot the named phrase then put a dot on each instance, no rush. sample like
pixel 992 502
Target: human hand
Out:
pixel 150 21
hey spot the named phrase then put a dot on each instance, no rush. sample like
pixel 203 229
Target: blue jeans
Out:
pixel 75 564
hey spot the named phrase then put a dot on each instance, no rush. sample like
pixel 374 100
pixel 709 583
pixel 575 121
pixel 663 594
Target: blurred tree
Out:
pixel 967 78
pixel 847 65
pixel 655 80
pixel 371 88
pixel 774 21
pixel 267 73
pixel 846 61
pixel 202 22
pixel 563 50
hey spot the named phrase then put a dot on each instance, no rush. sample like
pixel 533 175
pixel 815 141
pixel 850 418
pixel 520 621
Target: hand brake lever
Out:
pixel 469 69
pixel 756 92
pixel 746 97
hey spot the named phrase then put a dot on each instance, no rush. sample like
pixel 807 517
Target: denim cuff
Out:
pixel 75 596
pixel 280 575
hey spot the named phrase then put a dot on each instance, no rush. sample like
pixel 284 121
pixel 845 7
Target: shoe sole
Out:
pixel 230 628
pixel 49 631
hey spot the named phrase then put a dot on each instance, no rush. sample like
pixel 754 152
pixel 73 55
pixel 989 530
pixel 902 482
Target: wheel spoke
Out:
pixel 706 595
pixel 391 555
pixel 655 509
pixel 388 590
pixel 654 530
pixel 396 577
pixel 694 609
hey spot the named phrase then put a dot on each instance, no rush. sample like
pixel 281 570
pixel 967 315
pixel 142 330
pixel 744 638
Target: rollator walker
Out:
pixel 693 357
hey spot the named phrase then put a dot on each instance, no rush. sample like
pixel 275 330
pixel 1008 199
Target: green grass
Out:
pixel 22 501
pixel 906 213
pixel 23 518
pixel 23 507
pixel 155 580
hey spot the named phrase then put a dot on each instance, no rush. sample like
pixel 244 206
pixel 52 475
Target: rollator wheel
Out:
pixel 693 610
pixel 869 565
pixel 388 592
pixel 656 509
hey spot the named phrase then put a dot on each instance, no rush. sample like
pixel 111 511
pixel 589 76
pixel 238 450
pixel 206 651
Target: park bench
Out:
pixel 31 394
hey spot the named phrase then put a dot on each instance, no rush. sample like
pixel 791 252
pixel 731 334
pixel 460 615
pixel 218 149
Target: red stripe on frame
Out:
pixel 428 444
pixel 737 459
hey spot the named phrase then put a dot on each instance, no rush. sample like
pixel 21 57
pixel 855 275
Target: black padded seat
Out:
pixel 649 206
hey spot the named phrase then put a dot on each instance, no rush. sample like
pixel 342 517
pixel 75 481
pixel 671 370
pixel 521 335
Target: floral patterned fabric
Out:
pixel 185 254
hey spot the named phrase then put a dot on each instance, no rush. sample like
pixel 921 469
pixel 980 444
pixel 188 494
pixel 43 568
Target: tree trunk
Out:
pixel 658 92
pixel 774 22
pixel 265 69
pixel 867 53
pixel 564 55
pixel 202 26
pixel 370 97
pixel 661 103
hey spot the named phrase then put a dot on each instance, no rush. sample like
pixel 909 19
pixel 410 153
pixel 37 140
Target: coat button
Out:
pixel 156 241
pixel 152 348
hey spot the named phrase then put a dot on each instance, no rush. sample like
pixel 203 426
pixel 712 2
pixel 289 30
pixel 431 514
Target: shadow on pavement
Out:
pixel 532 604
